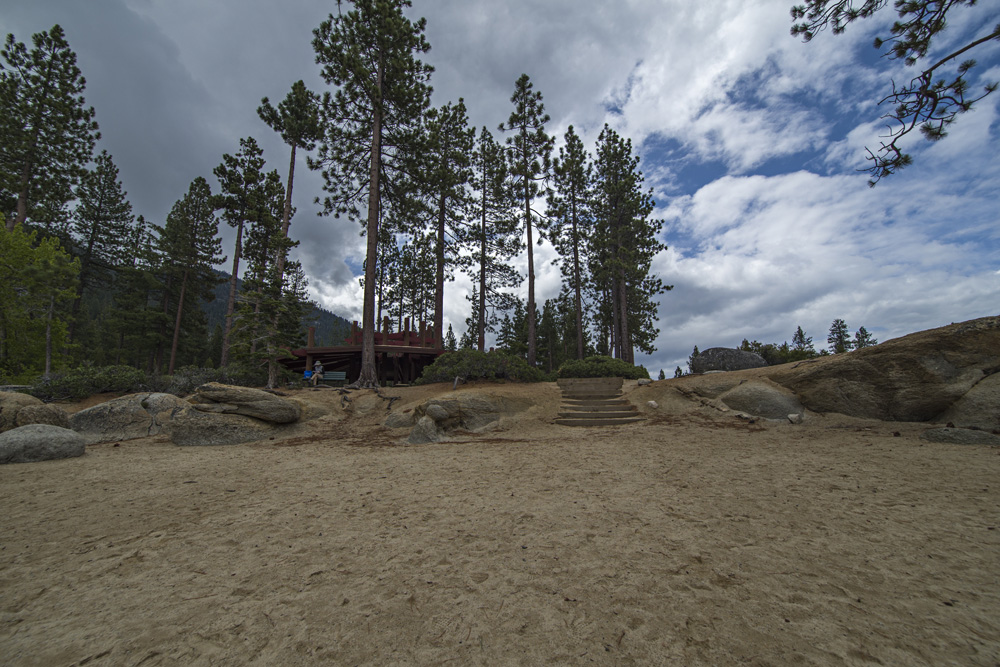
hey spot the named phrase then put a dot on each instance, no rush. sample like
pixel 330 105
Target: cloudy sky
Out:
pixel 750 139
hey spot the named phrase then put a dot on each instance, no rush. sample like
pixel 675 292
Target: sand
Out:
pixel 693 538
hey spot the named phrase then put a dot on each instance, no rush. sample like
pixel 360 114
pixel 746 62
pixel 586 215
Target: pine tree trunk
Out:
pixel 481 315
pixel 272 367
pixel 83 282
pixel 616 350
pixel 286 215
pixel 177 325
pixel 578 300
pixel 48 337
pixel 286 221
pixel 256 319
pixel 36 128
pixel 625 340
pixel 439 277
pixel 22 195
pixel 158 355
pixel 369 374
pixel 531 277
pixel 231 306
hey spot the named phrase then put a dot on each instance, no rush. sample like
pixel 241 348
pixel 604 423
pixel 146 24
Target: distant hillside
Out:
pixel 331 329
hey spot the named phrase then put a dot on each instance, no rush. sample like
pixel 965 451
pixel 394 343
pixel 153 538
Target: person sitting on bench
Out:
pixel 317 372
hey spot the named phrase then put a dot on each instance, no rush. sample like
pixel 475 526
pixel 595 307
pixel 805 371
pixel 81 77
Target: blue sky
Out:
pixel 750 138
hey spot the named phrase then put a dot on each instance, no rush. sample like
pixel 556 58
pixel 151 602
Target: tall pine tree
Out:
pixel 242 200
pixel 839 337
pixel 625 242
pixel 191 246
pixel 371 123
pixel 297 121
pixel 48 133
pixel 272 305
pixel 134 319
pixel 492 239
pixel 448 169
pixel 36 277
pixel 529 149
pixel 102 223
pixel 570 220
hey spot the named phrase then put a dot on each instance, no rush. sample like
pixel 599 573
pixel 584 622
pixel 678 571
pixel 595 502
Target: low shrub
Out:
pixel 86 380
pixel 188 378
pixel 476 365
pixel 601 367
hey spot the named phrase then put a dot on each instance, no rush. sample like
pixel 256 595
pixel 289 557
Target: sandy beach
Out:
pixel 691 538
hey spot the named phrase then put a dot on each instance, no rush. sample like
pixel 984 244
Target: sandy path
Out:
pixel 688 540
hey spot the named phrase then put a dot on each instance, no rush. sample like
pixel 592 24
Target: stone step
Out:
pixel 591 402
pixel 590 394
pixel 611 384
pixel 599 415
pixel 597 422
pixel 600 407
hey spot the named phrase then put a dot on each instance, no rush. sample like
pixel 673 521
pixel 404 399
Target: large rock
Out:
pixel 227 399
pixel 712 385
pixel 979 407
pixel 436 418
pixel 426 430
pixel 913 378
pixel 52 415
pixel 39 442
pixel 11 402
pixel 399 420
pixel 126 418
pixel 194 428
pixel 762 400
pixel 726 359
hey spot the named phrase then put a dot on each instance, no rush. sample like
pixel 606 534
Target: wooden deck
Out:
pixel 399 357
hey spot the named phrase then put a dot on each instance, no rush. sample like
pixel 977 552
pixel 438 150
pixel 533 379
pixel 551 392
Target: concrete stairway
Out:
pixel 595 402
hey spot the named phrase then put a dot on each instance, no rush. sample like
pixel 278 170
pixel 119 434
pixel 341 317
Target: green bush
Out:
pixel 86 380
pixel 601 367
pixel 476 365
pixel 188 378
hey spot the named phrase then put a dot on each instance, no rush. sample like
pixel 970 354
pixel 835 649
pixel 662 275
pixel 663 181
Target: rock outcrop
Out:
pixel 194 428
pixel 977 408
pixel 437 418
pixel 726 359
pixel 11 402
pixel 227 399
pixel 126 418
pixel 49 414
pixel 762 400
pixel 39 442
pixel 919 377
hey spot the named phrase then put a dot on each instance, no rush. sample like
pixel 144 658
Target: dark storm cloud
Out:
pixel 150 110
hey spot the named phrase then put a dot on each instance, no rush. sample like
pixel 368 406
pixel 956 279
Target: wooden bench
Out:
pixel 329 376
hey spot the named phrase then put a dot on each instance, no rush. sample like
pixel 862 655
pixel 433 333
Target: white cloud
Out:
pixel 718 83
pixel 767 254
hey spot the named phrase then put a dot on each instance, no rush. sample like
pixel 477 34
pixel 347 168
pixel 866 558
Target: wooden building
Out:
pixel 399 357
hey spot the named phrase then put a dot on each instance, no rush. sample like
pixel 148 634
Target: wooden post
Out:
pixel 406 332
pixel 311 340
pixel 423 328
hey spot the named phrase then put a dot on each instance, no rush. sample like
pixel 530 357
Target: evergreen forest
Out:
pixel 87 281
